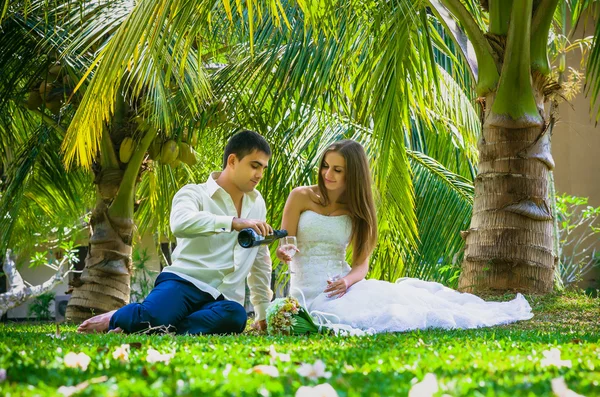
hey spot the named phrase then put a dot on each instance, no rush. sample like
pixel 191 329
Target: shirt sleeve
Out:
pixel 259 279
pixel 259 282
pixel 189 219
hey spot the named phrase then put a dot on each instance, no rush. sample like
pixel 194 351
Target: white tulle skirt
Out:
pixel 374 306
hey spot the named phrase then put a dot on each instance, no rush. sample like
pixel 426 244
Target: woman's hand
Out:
pixel 283 255
pixel 336 289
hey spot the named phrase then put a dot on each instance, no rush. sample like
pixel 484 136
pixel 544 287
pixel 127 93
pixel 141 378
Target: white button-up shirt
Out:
pixel 207 252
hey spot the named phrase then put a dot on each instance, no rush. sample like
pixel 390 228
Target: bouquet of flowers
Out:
pixel 285 316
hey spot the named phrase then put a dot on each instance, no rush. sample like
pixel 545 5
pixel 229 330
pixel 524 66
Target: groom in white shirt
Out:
pixel 203 291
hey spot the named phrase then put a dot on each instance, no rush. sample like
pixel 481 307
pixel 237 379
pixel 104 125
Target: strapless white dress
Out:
pixel 374 306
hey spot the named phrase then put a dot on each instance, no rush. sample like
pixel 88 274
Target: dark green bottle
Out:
pixel 248 238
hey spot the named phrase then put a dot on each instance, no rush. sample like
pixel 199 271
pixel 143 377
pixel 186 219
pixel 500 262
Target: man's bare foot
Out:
pixel 117 330
pixel 97 323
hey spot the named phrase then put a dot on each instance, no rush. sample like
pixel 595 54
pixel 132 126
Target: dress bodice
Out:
pixel 322 241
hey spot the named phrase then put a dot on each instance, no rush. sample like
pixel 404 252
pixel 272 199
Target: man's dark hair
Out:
pixel 243 143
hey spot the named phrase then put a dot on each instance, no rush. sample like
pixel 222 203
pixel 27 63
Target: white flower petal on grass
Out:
pixel 263 392
pixel 227 370
pixel 314 371
pixel 68 391
pixel 265 370
pixel 74 360
pixel 122 353
pixel 57 336
pixel 281 356
pixel 560 388
pixel 348 368
pixel 181 387
pixel 2 375
pixel 426 388
pixel 552 357
pixel 154 356
pixel 322 390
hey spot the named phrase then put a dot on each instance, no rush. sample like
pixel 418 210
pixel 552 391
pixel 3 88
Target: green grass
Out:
pixel 500 361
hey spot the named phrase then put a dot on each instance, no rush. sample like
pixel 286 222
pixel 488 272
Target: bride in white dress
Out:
pixel 339 211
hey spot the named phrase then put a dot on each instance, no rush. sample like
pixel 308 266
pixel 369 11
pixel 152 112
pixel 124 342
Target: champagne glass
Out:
pixel 335 270
pixel 289 246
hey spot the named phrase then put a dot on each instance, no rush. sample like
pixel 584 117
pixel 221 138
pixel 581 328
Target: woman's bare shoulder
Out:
pixel 305 191
pixel 305 196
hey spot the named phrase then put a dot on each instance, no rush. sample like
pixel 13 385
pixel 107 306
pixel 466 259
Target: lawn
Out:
pixel 500 361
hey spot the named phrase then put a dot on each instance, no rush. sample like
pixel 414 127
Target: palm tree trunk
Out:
pixel 104 283
pixel 509 245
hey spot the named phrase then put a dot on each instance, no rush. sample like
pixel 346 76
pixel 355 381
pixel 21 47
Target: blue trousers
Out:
pixel 180 306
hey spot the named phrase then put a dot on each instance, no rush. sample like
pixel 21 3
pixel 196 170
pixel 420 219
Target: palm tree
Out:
pixel 509 244
pixel 42 58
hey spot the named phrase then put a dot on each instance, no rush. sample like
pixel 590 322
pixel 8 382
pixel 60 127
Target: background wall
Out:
pixel 576 146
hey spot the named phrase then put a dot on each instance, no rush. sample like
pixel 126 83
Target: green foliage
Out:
pixel 593 73
pixel 501 361
pixel 579 235
pixel 40 306
pixel 142 279
pixel 66 249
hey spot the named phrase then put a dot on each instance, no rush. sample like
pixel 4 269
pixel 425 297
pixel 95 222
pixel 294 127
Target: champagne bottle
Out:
pixel 248 238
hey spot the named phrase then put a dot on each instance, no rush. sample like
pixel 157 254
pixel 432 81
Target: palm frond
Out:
pixel 152 58
pixel 444 203
pixel 460 38
pixel 447 129
pixel 37 182
pixel 387 89
pixel 23 66
pixel 593 74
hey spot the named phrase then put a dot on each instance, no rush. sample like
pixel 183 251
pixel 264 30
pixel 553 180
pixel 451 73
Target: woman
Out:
pixel 338 212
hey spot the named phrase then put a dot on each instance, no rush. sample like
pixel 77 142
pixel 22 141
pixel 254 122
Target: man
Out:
pixel 203 291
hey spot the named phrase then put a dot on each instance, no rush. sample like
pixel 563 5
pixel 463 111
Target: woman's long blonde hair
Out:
pixel 358 196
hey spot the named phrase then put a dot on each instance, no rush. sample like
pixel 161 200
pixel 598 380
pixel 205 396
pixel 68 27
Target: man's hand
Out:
pixel 259 325
pixel 260 227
